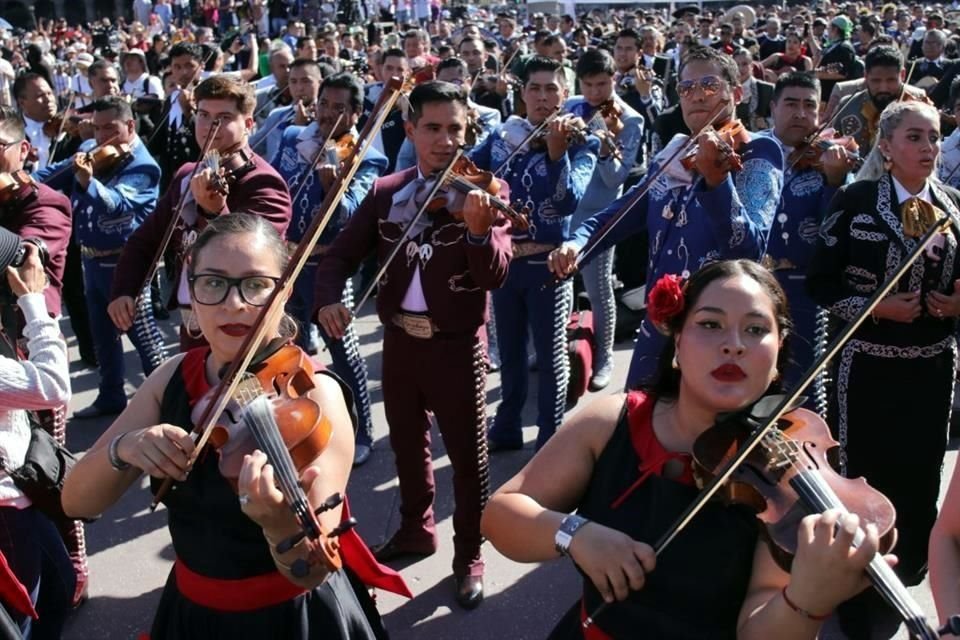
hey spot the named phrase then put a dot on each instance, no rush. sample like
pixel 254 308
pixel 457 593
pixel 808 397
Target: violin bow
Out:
pixel 826 124
pixel 441 181
pixel 316 160
pixel 63 123
pixel 530 136
pixel 175 218
pixel 166 110
pixel 787 401
pixel 270 101
pixel 275 304
pixel 638 195
pixel 69 165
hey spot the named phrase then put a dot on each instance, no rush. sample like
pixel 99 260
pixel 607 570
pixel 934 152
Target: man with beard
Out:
pixel 884 79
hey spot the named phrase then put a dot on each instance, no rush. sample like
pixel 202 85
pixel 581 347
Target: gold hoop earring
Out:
pixel 676 362
pixel 887 163
pixel 191 326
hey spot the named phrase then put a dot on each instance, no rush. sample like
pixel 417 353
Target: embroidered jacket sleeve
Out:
pixel 57 176
pixel 612 171
pixel 122 205
pixel 42 381
pixel 568 177
pixel 740 210
pixel 827 282
pixel 357 241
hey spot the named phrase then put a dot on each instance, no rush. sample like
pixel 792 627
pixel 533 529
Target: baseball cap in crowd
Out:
pixel 682 11
pixel 83 60
pixel 843 23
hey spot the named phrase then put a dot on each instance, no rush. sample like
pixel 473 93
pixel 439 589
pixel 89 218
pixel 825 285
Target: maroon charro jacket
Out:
pixel 455 278
pixel 47 216
pixel 260 191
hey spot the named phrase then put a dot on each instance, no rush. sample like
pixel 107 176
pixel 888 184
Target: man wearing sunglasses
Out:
pixel 550 179
pixel 710 212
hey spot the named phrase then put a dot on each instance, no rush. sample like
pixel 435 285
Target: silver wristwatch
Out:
pixel 564 536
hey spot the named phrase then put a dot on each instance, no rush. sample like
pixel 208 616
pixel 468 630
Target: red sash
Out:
pixel 244 594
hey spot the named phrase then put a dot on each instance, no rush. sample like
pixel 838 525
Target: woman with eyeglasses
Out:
pixel 711 200
pixel 893 382
pixel 229 579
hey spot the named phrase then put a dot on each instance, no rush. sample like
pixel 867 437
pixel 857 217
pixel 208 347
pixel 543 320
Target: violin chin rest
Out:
pixel 765 406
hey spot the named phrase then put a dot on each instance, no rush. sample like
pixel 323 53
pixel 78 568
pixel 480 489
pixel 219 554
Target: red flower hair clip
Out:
pixel 665 301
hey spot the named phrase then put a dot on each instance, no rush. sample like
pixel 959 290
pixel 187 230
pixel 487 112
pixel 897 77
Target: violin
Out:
pixel 225 170
pixel 63 123
pixel 271 411
pixel 107 157
pixel 787 476
pixel 733 135
pixel 145 103
pixel 465 177
pixel 16 186
pixel 474 127
pixel 597 125
pixel 808 154
pixel 340 149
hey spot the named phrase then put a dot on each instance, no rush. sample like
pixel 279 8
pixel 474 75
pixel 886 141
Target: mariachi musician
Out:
pixel 111 197
pixel 708 211
pixel 296 162
pixel 305 78
pixel 432 303
pixel 248 183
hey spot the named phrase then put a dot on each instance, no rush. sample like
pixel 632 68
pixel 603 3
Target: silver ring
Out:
pixel 244 499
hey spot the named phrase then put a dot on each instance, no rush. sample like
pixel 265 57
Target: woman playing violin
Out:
pixel 628 473
pixel 899 368
pixel 229 579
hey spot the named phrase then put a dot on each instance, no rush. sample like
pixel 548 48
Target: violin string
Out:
pixel 262 424
pixel 822 497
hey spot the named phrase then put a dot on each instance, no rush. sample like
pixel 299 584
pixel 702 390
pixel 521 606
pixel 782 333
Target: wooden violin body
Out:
pixel 15 187
pixel 732 136
pixel 225 170
pixel 272 411
pixel 788 476
pixel 809 154
pixel 107 157
pixel 465 177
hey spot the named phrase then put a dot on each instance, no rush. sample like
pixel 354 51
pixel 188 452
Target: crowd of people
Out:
pixel 759 172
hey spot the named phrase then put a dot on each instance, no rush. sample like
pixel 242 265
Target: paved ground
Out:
pixel 131 555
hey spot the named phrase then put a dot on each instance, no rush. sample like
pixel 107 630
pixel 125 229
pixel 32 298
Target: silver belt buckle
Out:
pixel 416 326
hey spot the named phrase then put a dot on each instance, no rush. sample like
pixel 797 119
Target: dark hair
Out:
pixel 540 63
pixel 802 79
pixel 595 61
pixel 302 40
pixel 303 62
pixel 12 124
pixel 884 56
pixel 393 52
pixel 629 33
pixel 240 223
pixel 433 91
pixel 224 87
pixel 20 84
pixel 121 107
pixel 727 65
pixel 954 93
pixel 191 49
pixel 550 40
pixel 667 382
pixel 98 66
pixel 452 63
pixel 349 82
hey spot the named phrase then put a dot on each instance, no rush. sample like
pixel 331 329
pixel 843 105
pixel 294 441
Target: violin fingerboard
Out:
pixel 212 161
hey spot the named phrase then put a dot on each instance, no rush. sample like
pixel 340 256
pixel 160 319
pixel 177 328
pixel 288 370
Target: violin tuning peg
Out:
pixel 285 545
pixel 330 503
pixel 343 527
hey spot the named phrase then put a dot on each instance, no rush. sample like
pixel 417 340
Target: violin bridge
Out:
pixel 248 389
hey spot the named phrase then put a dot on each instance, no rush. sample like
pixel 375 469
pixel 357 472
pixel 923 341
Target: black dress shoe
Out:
pixel 393 550
pixel 469 591
pixel 361 454
pixel 89 358
pixel 495 446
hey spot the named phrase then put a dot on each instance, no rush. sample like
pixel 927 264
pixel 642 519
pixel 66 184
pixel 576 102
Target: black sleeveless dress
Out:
pixel 700 580
pixel 215 539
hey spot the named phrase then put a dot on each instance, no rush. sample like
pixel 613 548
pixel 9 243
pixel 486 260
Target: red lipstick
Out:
pixel 728 373
pixel 235 330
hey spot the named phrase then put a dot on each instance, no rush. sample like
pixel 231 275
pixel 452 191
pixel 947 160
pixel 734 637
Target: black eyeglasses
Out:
pixel 211 289
pixel 710 85
pixel 4 145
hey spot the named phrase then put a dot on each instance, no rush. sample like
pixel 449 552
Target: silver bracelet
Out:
pixel 115 460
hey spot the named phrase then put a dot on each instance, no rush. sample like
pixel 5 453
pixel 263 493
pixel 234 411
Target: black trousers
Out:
pixel 75 301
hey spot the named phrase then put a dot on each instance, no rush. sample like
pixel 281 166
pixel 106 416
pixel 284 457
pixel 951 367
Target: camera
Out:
pixel 20 255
